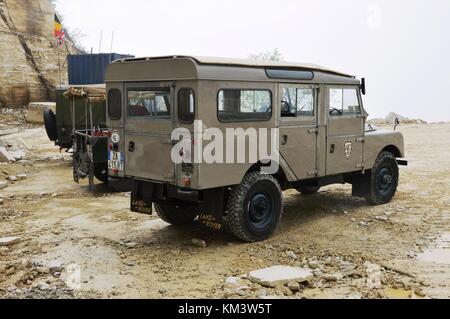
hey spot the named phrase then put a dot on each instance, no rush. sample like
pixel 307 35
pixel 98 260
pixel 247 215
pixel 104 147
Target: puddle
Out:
pixel 439 251
pixel 393 293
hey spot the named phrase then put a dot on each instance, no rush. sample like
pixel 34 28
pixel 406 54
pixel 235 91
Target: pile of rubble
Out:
pixel 391 118
pixel 13 118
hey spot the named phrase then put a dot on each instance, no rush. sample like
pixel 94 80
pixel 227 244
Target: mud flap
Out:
pixel 142 198
pixel 361 184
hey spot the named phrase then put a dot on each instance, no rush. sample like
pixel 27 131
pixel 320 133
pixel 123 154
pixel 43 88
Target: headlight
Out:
pixel 115 138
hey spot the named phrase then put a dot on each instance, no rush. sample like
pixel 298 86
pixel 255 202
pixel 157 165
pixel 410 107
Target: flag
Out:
pixel 59 32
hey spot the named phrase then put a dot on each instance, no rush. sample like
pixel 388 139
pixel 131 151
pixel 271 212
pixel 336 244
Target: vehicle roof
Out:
pixel 178 67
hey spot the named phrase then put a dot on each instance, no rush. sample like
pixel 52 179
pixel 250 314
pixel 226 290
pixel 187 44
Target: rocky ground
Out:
pixel 68 243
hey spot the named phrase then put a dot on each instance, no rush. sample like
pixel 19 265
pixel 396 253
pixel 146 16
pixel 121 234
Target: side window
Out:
pixel 244 105
pixel 344 102
pixel 186 105
pixel 297 102
pixel 114 104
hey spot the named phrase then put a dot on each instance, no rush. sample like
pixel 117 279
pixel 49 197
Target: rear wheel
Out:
pixel 255 207
pixel 50 125
pixel 175 215
pixel 384 179
pixel 308 190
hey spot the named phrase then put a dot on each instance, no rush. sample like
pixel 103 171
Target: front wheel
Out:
pixel 255 207
pixel 384 179
pixel 176 215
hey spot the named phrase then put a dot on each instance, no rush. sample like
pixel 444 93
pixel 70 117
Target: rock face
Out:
pixel 28 53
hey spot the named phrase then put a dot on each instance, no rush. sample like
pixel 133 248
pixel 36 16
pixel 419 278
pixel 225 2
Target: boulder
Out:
pixel 8 241
pixel 6 156
pixel 280 275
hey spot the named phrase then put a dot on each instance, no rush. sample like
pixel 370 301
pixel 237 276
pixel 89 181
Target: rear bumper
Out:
pixel 145 194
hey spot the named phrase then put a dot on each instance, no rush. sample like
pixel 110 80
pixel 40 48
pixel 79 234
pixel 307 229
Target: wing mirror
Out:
pixel 363 86
pixel 397 123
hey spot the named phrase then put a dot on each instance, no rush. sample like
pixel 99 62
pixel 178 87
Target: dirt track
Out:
pixel 120 254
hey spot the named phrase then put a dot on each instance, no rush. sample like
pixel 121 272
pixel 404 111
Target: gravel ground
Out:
pixel 74 244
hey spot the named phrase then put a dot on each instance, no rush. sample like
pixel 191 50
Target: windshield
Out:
pixel 149 103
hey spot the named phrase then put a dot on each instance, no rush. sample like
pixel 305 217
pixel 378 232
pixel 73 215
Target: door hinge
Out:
pixel 313 173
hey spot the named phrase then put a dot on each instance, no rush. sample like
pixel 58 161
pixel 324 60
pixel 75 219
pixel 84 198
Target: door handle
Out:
pixel 131 147
pixel 284 140
pixel 313 131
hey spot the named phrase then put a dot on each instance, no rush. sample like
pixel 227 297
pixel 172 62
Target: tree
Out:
pixel 274 55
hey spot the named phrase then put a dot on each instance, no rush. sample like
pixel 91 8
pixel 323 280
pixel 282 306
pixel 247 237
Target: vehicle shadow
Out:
pixel 299 211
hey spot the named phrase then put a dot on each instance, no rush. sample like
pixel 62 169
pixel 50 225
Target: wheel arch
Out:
pixel 394 150
pixel 280 175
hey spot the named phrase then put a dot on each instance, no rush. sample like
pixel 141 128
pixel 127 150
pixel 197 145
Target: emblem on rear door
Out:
pixel 348 147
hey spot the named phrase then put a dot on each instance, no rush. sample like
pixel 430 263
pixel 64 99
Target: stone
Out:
pixel 8 241
pixel 22 177
pixel 43 270
pixel 234 281
pixel 131 245
pixel 364 224
pixel 381 218
pixel 294 286
pixel 317 273
pixel 314 264
pixel 1 201
pixel 54 266
pixel 199 243
pixel 13 178
pixel 43 286
pixel 4 251
pixel 291 255
pixel 6 156
pixel 332 277
pixel 279 275
pixel 3 185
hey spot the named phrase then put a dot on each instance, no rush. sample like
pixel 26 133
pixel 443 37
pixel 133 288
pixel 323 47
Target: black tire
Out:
pixel 176 215
pixel 255 207
pixel 384 179
pixel 101 172
pixel 308 190
pixel 50 125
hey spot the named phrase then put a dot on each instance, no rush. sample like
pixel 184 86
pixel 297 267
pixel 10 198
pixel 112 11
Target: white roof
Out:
pixel 248 63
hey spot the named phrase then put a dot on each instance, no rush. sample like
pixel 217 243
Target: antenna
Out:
pixel 110 51
pixel 100 45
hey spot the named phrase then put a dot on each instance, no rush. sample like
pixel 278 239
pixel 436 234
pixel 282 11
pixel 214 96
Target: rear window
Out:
pixel 186 105
pixel 244 105
pixel 149 103
pixel 114 104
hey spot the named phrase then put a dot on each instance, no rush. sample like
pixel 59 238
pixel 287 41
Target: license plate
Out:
pixel 115 161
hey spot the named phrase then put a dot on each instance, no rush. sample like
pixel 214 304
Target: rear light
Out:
pixel 110 146
pixel 187 181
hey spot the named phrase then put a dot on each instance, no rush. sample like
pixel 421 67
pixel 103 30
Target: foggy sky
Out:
pixel 401 47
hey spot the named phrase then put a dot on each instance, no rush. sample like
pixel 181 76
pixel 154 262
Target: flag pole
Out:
pixel 59 66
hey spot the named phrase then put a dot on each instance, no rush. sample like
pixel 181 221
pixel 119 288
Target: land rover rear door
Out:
pixel 148 127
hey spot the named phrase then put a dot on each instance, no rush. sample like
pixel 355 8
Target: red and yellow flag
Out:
pixel 59 32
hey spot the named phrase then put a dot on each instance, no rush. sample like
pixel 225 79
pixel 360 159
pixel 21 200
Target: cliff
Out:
pixel 28 53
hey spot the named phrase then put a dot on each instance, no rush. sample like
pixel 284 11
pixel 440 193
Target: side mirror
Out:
pixel 397 123
pixel 363 86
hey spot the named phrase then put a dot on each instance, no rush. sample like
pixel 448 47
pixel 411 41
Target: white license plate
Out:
pixel 115 161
